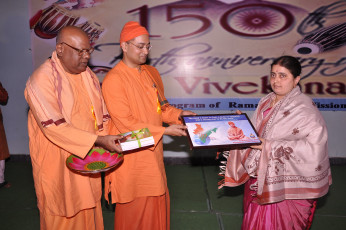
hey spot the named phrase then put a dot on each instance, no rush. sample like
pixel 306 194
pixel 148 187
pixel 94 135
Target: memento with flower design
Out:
pixel 97 160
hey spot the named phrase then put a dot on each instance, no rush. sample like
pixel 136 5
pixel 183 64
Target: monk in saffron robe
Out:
pixel 134 96
pixel 234 133
pixel 286 174
pixel 67 116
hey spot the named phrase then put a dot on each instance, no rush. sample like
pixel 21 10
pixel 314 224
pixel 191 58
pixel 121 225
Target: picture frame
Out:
pixel 221 131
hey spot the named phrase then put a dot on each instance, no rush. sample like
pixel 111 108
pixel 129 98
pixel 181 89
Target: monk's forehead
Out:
pixel 74 34
pixel 142 39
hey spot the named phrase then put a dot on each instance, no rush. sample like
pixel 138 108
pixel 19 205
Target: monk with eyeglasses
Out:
pixel 135 99
pixel 67 116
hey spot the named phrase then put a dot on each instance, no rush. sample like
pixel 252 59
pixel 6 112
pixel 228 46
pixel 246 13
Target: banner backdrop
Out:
pixel 212 55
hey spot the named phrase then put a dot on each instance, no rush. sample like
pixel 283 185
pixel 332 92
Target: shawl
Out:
pixel 56 108
pixel 294 162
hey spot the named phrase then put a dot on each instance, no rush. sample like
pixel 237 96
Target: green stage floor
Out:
pixel 196 203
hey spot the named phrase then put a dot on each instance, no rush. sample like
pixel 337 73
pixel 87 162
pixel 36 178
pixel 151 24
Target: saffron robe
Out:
pixel 66 114
pixel 131 98
pixel 143 213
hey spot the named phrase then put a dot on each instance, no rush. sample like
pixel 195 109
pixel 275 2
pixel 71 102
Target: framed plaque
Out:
pixel 222 131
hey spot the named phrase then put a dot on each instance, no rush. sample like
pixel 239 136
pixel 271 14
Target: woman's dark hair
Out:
pixel 290 63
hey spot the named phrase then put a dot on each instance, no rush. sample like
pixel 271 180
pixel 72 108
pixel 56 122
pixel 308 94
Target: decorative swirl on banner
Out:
pixel 323 40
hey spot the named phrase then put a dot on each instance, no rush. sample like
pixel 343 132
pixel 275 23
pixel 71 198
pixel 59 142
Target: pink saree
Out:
pixel 286 214
pixel 290 172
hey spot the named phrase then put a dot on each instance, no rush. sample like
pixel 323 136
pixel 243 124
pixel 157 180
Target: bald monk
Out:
pixel 67 116
pixel 135 99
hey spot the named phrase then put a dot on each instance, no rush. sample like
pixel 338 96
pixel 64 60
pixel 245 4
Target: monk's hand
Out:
pixel 109 142
pixel 186 113
pixel 175 130
pixel 238 112
pixel 258 146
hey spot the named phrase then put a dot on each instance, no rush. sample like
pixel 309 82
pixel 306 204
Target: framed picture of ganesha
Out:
pixel 232 131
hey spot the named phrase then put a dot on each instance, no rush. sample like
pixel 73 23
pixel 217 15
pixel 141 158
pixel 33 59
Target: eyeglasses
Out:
pixel 80 52
pixel 141 47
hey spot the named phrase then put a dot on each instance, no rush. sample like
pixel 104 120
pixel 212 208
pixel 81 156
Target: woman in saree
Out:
pixel 286 174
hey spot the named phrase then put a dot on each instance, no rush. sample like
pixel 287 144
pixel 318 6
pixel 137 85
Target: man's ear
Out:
pixel 124 46
pixel 59 49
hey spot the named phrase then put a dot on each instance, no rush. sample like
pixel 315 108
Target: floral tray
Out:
pixel 97 160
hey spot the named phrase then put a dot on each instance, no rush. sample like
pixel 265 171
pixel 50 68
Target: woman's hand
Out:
pixel 259 147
